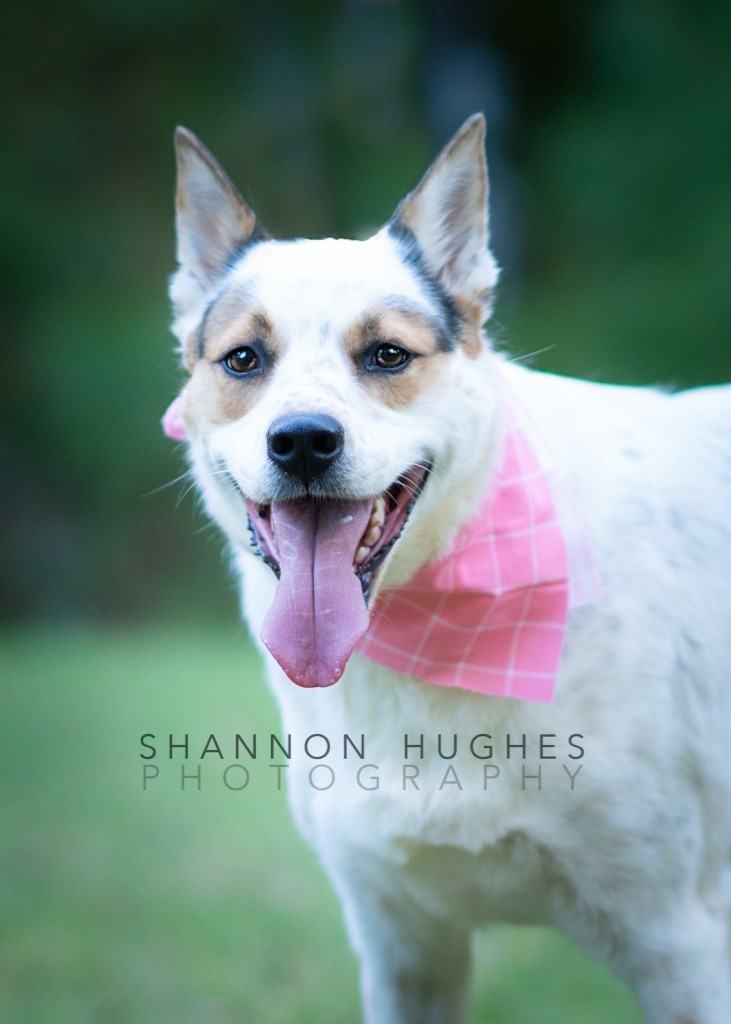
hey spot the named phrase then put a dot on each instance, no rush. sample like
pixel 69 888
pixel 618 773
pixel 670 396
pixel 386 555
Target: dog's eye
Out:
pixel 390 357
pixel 241 360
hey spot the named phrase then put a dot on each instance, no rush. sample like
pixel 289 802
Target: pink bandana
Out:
pixel 491 614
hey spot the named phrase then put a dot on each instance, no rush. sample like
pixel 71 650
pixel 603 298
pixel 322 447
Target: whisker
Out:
pixel 530 355
pixel 181 498
pixel 170 483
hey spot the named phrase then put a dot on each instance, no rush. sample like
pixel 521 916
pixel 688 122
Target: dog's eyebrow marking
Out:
pixel 206 320
pixel 397 320
pixel 419 317
pixel 404 326
pixel 411 254
pixel 230 318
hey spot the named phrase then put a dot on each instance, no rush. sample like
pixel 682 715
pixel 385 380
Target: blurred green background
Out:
pixel 610 154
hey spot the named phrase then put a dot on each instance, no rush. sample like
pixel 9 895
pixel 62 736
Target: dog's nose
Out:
pixel 305 446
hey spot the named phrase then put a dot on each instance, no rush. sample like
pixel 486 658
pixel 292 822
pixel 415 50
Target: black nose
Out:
pixel 305 446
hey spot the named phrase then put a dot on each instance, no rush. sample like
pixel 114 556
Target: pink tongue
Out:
pixel 319 612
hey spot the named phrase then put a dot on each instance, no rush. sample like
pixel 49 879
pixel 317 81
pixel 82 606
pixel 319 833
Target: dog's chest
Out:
pixel 410 763
pixel 481 836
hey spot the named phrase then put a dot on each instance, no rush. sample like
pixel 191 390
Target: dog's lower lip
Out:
pixel 262 536
pixel 400 499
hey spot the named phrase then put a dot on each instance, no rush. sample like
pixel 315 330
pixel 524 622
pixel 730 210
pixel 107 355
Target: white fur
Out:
pixel 633 862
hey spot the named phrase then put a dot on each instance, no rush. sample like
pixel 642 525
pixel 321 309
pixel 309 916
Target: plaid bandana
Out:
pixel 490 615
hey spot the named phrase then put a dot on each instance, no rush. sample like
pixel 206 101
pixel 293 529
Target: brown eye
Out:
pixel 390 357
pixel 241 360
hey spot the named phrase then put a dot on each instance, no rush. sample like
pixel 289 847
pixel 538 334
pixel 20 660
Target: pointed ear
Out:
pixel 447 216
pixel 213 221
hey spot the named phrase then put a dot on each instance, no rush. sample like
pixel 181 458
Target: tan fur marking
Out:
pixel 397 324
pixel 410 329
pixel 212 397
pixel 188 351
pixel 472 315
pixel 401 389
pixel 234 320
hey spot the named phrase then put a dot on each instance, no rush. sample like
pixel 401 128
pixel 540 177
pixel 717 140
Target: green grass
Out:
pixel 124 906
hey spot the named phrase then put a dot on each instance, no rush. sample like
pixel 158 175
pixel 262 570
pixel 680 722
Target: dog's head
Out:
pixel 337 390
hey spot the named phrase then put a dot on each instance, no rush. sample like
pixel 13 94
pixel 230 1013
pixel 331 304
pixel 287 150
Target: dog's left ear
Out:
pixel 447 216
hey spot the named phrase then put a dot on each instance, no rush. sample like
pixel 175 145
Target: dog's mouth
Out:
pixel 326 554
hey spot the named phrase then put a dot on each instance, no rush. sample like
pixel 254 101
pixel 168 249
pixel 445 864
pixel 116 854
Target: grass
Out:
pixel 124 906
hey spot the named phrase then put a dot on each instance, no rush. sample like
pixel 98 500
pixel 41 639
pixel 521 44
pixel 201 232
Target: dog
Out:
pixel 431 540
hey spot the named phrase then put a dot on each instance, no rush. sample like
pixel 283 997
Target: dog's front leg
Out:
pixel 415 962
pixel 405 980
pixel 683 977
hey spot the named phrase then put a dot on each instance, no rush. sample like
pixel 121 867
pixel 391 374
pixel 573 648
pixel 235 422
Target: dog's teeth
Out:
pixel 372 536
pixel 361 554
pixel 378 515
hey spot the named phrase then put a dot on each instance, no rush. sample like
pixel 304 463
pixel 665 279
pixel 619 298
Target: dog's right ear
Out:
pixel 213 221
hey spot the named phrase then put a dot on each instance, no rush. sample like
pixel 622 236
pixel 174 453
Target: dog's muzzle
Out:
pixel 326 549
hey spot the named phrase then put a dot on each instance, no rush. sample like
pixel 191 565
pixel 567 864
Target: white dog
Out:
pixel 455 535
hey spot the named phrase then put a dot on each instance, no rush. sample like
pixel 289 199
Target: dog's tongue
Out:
pixel 319 612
